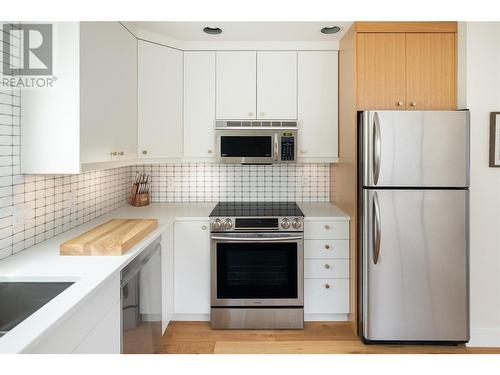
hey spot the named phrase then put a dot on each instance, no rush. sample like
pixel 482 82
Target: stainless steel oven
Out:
pixel 257 269
pixel 256 142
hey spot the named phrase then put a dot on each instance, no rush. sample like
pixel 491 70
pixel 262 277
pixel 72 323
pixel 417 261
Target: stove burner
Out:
pixel 256 209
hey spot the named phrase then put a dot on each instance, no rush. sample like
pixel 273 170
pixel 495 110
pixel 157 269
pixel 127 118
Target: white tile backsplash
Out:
pixel 210 182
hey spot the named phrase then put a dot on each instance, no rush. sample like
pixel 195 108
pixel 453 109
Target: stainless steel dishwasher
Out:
pixel 141 302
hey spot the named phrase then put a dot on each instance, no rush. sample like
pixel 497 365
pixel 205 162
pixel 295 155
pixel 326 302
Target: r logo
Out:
pixel 36 43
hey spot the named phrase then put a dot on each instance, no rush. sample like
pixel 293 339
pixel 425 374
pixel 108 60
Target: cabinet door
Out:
pixel 105 336
pixel 199 104
pixel 430 71
pixel 191 267
pixel 236 84
pixel 318 104
pixel 381 71
pixel 108 92
pixel 277 84
pixel 160 101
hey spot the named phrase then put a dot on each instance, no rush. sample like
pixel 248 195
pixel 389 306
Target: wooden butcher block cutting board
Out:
pixel 114 237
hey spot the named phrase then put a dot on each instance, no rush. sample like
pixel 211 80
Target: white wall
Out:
pixel 481 94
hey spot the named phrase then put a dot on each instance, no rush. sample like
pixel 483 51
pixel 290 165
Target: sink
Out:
pixel 19 300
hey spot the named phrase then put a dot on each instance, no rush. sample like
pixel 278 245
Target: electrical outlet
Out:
pixel 18 214
pixel 72 201
pixel 22 213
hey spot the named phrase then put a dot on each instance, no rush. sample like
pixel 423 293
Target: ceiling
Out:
pixel 244 31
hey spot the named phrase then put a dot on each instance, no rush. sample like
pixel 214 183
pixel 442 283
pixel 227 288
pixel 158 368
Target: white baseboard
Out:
pixel 484 337
pixel 325 317
pixel 192 317
pixel 307 317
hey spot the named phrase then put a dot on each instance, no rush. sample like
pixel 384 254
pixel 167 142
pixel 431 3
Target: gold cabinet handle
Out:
pixel 250 114
pixel 203 227
pixel 327 286
pixel 327 247
pixel 121 153
pixel 144 152
pixel 262 114
pixel 399 104
pixel 413 104
pixel 327 266
pixel 113 153
pixel 327 227
pixel 209 151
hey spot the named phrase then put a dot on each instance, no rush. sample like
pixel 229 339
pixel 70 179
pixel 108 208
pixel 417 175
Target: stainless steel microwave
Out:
pixel 256 142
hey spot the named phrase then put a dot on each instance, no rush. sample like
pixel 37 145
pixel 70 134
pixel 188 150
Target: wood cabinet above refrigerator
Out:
pixel 406 68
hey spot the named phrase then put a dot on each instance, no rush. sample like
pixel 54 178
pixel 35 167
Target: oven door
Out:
pixel 252 146
pixel 257 269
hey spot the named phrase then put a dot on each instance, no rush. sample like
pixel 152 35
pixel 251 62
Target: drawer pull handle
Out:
pixel 327 286
pixel 327 266
pixel 203 227
pixel 327 227
pixel 327 247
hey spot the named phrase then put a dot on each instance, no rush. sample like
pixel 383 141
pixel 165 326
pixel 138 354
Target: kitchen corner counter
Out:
pixel 322 210
pixel 42 262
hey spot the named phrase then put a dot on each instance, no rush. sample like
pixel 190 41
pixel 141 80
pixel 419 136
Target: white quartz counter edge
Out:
pixel 322 211
pixel 42 262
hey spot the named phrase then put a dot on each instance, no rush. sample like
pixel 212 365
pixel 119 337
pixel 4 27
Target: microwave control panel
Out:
pixel 287 148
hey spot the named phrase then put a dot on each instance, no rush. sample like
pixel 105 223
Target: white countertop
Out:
pixel 321 211
pixel 42 262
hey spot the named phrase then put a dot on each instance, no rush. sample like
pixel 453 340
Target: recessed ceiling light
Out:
pixel 330 29
pixel 212 30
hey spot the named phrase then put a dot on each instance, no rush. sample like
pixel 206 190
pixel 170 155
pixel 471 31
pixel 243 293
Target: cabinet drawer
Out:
pixel 326 268
pixel 326 229
pixel 335 249
pixel 320 299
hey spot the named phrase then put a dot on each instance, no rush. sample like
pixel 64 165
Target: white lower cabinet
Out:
pixel 326 269
pixel 94 327
pixel 102 339
pixel 191 270
pixel 326 296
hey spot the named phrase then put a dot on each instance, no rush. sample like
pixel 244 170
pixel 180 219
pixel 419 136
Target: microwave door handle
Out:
pixel 275 146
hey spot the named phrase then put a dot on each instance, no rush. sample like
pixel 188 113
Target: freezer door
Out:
pixel 415 265
pixel 415 148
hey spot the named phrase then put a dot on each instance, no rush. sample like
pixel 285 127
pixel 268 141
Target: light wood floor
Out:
pixel 316 338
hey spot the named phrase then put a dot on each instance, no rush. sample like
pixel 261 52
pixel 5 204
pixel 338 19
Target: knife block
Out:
pixel 136 199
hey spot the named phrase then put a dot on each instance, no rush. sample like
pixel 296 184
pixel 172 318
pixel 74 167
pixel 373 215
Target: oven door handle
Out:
pixel 256 239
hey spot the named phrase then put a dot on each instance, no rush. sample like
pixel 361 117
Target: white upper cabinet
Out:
pixel 160 90
pixel 108 87
pixel 318 105
pixel 236 84
pixel 90 115
pixel 277 85
pixel 199 104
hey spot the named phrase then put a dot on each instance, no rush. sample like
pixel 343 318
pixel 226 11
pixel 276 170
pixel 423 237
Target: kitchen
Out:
pixel 256 159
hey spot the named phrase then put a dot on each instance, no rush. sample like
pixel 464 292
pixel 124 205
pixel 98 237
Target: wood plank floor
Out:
pixel 316 338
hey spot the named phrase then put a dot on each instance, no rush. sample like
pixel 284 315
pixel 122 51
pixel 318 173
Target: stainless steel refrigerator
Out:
pixel 414 226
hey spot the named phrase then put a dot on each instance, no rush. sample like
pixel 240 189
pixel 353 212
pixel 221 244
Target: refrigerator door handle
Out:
pixel 376 228
pixel 376 148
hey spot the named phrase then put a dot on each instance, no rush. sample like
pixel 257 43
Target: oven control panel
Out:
pixel 260 224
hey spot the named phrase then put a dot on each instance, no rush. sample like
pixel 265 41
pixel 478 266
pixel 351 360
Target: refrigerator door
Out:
pixel 415 148
pixel 414 258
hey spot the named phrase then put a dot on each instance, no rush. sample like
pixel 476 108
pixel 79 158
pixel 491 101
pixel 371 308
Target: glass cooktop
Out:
pixel 256 209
